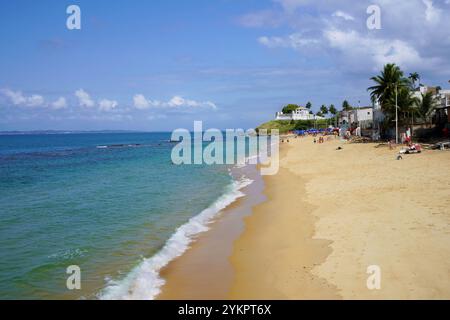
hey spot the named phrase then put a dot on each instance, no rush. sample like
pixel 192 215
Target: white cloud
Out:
pixel 35 101
pixel 432 14
pixel 107 105
pixel 357 47
pixel 60 103
pixel 178 101
pixel 295 41
pixel 84 99
pixel 18 99
pixel 420 42
pixel 142 103
pixel 343 15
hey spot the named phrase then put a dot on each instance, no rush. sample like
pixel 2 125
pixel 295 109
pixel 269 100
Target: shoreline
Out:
pixel 204 271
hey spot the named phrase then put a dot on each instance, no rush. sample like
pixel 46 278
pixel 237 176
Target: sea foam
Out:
pixel 144 281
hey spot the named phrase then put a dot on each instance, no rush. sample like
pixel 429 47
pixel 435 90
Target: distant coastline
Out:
pixel 18 132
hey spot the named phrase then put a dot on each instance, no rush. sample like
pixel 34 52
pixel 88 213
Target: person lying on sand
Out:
pixel 413 148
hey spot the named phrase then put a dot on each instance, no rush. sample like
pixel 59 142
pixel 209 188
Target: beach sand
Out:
pixel 329 215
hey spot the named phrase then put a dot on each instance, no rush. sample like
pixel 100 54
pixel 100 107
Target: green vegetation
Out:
pixel 413 78
pixel 290 108
pixel 285 126
pixel 333 110
pixel 426 106
pixel 391 88
pixel 346 106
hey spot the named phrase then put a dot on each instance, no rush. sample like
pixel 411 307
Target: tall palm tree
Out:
pixel 407 105
pixel 414 77
pixel 390 80
pixel 426 106
pixel 346 106
pixel 333 111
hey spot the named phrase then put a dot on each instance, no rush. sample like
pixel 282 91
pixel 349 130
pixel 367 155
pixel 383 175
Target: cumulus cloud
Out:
pixel 178 101
pixel 142 103
pixel 343 15
pixel 355 46
pixel 84 99
pixel 60 103
pixel 432 14
pixel 419 42
pixel 107 105
pixel 17 98
pixel 295 41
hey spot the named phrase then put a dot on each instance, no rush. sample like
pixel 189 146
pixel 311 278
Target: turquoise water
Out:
pixel 65 200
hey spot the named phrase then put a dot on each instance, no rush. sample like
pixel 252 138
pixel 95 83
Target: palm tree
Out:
pixel 407 105
pixel 426 106
pixel 346 106
pixel 308 105
pixel 390 81
pixel 324 109
pixel 333 111
pixel 414 77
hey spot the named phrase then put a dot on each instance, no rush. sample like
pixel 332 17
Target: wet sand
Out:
pixel 204 271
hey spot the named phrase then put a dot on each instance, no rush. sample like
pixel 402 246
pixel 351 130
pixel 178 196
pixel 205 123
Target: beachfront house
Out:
pixel 301 113
pixel 442 114
pixel 442 98
pixel 362 117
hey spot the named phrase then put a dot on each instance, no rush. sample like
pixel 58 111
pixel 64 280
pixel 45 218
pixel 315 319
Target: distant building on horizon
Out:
pixel 301 113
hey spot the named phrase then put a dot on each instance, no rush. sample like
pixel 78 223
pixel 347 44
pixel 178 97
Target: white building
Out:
pixel 443 108
pixel 357 115
pixel 364 117
pixel 300 113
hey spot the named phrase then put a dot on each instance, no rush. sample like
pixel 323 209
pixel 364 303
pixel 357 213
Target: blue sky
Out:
pixel 160 65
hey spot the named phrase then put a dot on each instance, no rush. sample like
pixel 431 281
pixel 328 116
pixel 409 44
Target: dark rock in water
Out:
pixel 399 158
pixel 339 148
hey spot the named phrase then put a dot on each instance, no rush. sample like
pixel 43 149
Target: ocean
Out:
pixel 111 203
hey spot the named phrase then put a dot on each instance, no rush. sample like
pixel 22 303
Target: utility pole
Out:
pixel 396 115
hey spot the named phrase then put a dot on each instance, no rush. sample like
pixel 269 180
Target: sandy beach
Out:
pixel 329 215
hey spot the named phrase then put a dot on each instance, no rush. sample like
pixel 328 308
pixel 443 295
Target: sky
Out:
pixel 160 65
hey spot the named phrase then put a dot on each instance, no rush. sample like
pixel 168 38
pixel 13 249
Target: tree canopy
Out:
pixel 333 109
pixel 290 108
pixel 346 106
